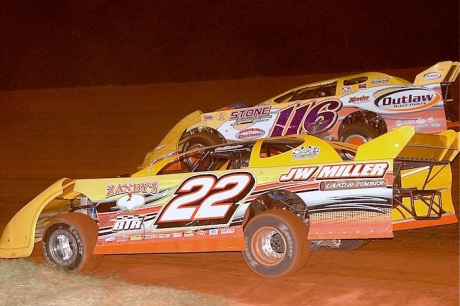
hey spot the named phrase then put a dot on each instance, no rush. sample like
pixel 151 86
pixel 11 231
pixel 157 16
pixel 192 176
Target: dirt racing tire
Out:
pixel 201 140
pixel 196 141
pixel 276 243
pixel 348 245
pixel 68 243
pixel 357 133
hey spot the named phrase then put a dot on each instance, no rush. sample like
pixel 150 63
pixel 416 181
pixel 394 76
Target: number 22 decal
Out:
pixel 206 199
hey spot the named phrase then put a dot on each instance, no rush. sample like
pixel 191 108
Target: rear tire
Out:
pixel 357 133
pixel 68 243
pixel 276 242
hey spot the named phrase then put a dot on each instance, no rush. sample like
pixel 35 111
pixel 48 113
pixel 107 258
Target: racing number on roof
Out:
pixel 206 197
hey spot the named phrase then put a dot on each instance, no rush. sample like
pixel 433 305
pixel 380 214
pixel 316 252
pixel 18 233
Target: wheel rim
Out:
pixel 191 159
pixel 355 139
pixel 196 146
pixel 268 246
pixel 63 248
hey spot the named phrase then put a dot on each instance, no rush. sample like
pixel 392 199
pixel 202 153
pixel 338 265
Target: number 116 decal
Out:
pixel 206 199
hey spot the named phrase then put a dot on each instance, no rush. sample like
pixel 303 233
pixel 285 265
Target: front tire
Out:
pixel 276 242
pixel 197 141
pixel 201 140
pixel 68 243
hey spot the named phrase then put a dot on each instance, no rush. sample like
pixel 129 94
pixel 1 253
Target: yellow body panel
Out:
pixel 273 172
pixel 18 236
pixel 322 108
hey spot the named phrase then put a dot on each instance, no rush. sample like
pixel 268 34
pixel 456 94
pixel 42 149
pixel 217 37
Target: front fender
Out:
pixel 170 142
pixel 18 236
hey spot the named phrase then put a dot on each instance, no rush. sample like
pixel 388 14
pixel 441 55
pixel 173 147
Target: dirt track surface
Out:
pixel 104 132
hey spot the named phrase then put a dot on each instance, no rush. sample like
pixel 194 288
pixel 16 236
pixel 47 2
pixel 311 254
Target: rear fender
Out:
pixel 18 236
pixel 424 198
pixel 423 175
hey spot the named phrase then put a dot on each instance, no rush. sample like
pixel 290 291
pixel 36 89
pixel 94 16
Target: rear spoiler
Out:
pixel 442 147
pixel 404 143
pixel 442 72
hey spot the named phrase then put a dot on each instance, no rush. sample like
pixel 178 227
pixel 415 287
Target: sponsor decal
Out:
pixel 421 127
pixel 250 113
pixel 201 232
pixel 177 235
pixel 432 76
pixel 188 234
pixel 358 170
pixel 346 89
pixel 228 148
pixel 250 116
pixel 150 236
pixel 126 188
pixel 250 133
pixel 435 125
pixel 221 116
pixel 430 119
pixel 128 223
pixel 122 238
pixel 164 235
pixel 298 174
pixel 379 80
pixel 362 86
pixel 305 153
pixel 420 120
pixel 109 239
pixel 135 237
pixel 352 184
pixel 228 230
pixel 399 123
pixel 130 202
pixel 407 100
pixel 374 170
pixel 358 99
pixel 213 232
pixel 208 117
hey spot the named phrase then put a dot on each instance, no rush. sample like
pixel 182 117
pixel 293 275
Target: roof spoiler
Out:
pixel 404 143
pixel 442 72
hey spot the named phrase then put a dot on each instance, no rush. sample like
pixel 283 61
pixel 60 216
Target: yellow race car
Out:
pixel 353 109
pixel 273 199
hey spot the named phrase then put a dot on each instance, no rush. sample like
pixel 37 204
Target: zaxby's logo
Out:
pixel 407 100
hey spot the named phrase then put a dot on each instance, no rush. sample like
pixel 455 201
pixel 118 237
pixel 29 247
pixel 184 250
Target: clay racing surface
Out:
pixel 104 132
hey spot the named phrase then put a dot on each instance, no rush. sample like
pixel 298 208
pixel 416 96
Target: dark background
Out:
pixel 53 44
